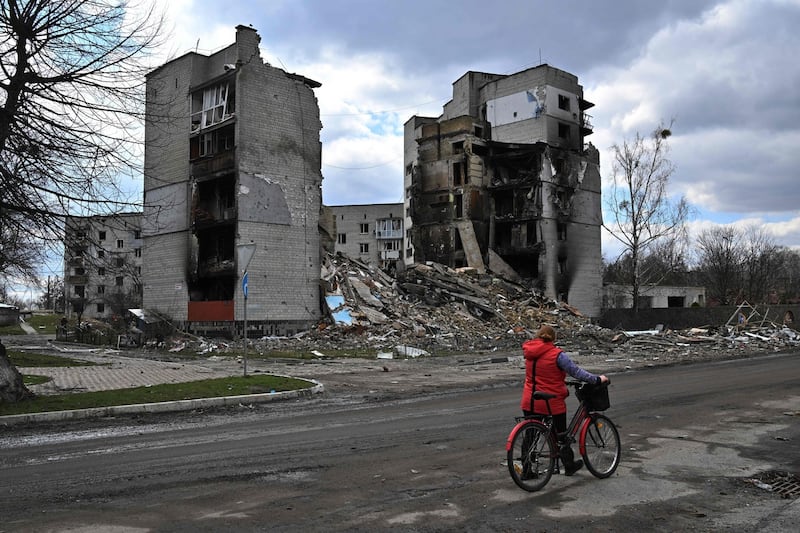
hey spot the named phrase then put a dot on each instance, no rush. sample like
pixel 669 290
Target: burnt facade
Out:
pixel 232 168
pixel 502 181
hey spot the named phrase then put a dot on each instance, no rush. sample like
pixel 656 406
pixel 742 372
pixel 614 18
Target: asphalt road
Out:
pixel 693 436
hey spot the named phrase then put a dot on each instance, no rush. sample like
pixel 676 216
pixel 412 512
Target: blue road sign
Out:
pixel 244 284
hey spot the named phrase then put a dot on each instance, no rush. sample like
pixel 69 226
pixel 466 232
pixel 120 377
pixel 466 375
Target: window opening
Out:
pixel 120 243
pixel 561 228
pixel 363 248
pixel 212 106
pixel 102 235
pixel 342 238
pixel 119 281
pixel 364 229
pixel 458 173
pixel 563 102
pixel 563 130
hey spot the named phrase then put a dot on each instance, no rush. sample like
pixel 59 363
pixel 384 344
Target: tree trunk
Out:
pixel 12 388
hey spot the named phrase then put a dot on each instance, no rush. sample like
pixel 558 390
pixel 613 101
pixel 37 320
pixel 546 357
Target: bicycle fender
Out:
pixel 582 434
pixel 510 440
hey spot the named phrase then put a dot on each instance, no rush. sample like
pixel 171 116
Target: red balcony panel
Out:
pixel 212 311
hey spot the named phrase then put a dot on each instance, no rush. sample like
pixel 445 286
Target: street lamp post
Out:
pixel 245 254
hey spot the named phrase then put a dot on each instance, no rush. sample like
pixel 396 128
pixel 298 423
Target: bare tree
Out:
pixel 761 263
pixel 739 264
pixel 643 215
pixel 71 100
pixel 20 253
pixel 720 256
pixel 72 82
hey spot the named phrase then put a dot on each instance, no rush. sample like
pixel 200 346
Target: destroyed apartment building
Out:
pixel 502 181
pixel 232 184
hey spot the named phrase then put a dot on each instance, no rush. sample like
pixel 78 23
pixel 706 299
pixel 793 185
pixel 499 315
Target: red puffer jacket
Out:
pixel 541 369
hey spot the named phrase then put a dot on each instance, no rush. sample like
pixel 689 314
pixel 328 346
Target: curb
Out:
pixel 160 407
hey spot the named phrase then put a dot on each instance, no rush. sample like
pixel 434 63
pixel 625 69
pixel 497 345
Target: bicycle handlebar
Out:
pixel 575 383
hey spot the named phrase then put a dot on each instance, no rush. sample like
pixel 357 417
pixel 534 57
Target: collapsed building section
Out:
pixel 502 181
pixel 232 185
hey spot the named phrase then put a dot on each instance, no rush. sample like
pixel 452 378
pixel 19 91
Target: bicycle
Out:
pixel 533 444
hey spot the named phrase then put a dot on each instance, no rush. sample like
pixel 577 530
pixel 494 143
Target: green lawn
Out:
pixel 44 324
pixel 210 388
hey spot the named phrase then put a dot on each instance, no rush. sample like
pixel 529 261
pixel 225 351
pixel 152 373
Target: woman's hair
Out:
pixel 546 333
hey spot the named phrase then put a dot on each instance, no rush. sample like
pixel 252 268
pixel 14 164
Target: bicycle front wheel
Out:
pixel 600 446
pixel 531 457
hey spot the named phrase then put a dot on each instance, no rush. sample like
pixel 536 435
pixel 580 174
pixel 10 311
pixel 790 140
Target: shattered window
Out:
pixel 212 105
pixel 562 231
pixel 101 308
pixel 342 238
pixel 563 102
pixel 363 248
pixel 102 235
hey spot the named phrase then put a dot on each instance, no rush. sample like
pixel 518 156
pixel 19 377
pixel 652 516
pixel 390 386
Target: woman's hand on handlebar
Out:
pixel 603 379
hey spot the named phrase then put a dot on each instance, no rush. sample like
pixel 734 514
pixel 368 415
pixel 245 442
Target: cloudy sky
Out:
pixel 724 70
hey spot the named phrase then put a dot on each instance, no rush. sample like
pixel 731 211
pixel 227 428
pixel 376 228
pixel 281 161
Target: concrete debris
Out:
pixel 432 309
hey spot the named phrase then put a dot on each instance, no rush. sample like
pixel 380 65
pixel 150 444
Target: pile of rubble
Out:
pixel 433 309
pixel 429 307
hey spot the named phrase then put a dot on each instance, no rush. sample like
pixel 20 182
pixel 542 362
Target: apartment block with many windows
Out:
pixel 371 233
pixel 102 265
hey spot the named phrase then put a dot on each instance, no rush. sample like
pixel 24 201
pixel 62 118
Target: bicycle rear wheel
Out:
pixel 600 446
pixel 531 457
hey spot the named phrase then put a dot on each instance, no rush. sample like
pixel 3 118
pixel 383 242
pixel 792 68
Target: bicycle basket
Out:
pixel 594 396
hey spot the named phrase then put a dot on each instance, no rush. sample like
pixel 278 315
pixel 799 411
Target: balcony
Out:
pixel 217 164
pixel 389 234
pixel 78 279
pixel 586 124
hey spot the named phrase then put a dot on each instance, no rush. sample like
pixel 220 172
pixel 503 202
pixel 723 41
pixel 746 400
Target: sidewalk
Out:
pixel 116 371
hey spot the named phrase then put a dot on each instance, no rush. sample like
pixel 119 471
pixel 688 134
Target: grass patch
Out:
pixel 44 324
pixel 33 379
pixel 29 360
pixel 14 329
pixel 209 388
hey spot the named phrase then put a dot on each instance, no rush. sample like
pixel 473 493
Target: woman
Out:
pixel 546 367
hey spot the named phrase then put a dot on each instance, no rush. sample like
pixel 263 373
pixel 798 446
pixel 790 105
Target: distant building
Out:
pixel 232 161
pixel 653 296
pixel 102 265
pixel 502 180
pixel 371 233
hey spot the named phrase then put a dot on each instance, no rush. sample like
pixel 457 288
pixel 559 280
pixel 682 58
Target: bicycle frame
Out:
pixel 577 427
